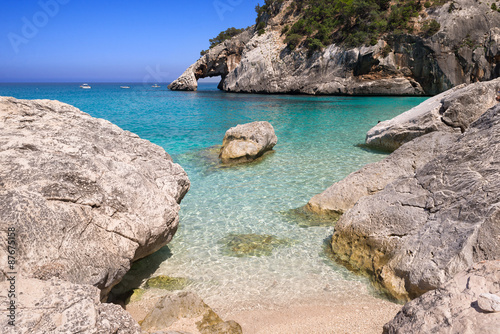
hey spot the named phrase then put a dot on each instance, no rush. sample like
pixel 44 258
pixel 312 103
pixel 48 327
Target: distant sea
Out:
pixel 318 141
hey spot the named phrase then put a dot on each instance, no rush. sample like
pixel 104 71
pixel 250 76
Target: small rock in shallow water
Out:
pixel 251 244
pixel 246 142
pixel 227 327
pixel 135 296
pixel 186 305
pixel 489 302
pixel 167 283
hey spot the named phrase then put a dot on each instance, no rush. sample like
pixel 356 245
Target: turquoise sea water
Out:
pixel 317 138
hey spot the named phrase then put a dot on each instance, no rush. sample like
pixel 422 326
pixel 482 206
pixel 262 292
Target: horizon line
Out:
pixel 93 82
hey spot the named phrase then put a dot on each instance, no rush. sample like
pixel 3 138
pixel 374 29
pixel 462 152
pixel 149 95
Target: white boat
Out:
pixel 156 86
pixel 85 86
pixel 124 87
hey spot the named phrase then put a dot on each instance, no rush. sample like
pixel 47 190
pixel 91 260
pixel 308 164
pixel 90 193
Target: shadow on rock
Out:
pixel 140 270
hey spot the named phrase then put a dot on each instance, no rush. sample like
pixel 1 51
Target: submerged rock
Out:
pixel 135 296
pixel 86 197
pixel 167 283
pixel 422 229
pixel 451 111
pixel 453 308
pixel 186 305
pixel 246 142
pixel 56 306
pixel 306 218
pixel 251 244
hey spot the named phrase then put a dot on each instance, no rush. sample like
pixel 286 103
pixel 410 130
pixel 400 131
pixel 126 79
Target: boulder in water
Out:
pixel 85 197
pixel 247 142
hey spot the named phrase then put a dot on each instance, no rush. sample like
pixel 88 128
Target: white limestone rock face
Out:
pixel 57 306
pixel 341 196
pixel 218 61
pixel 451 111
pixel 464 50
pixel 453 308
pixel 85 197
pixel 267 66
pixel 246 142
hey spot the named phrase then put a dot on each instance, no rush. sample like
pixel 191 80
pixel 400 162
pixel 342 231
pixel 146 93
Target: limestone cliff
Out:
pixel 464 49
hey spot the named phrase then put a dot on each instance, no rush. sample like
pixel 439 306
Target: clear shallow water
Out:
pixel 317 138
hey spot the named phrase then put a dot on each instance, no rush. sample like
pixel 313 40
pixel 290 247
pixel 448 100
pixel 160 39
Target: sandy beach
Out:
pixel 339 315
pixel 324 317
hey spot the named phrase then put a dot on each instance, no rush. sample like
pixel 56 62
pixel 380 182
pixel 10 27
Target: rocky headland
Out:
pixel 422 229
pixel 405 48
pixel 452 111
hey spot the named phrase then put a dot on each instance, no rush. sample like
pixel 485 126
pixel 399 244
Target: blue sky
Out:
pixel 110 41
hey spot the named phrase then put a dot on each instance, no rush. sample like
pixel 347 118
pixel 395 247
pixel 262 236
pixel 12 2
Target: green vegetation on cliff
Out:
pixel 348 22
pixel 221 37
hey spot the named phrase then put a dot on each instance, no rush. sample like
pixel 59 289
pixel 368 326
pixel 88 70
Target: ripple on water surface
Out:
pixel 317 140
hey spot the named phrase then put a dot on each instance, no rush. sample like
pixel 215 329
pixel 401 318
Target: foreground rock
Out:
pixel 185 310
pixel 56 306
pixel 85 197
pixel 465 49
pixel 451 111
pixel 422 229
pixel 246 142
pixel 342 196
pixel 488 302
pixel 454 307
